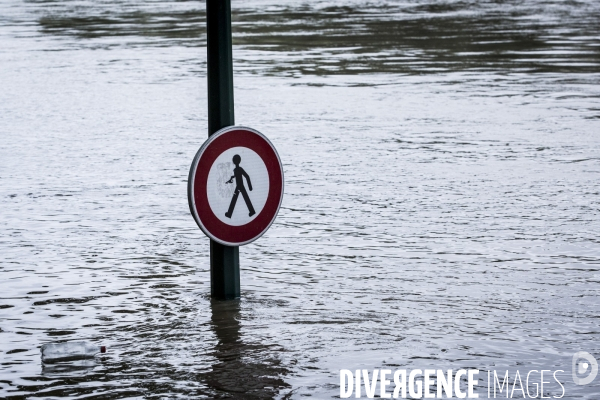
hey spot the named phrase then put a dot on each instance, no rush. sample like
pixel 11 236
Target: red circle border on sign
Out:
pixel 213 227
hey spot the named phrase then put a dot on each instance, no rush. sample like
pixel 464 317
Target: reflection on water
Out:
pixel 441 206
pixel 242 370
pixel 66 369
pixel 322 37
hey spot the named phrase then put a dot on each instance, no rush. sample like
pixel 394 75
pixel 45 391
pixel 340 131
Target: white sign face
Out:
pixel 237 186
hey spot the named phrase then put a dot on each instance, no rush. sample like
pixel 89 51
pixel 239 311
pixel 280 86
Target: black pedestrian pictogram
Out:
pixel 238 173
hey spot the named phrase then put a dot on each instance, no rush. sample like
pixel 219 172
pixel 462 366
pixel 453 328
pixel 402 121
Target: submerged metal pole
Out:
pixel 224 260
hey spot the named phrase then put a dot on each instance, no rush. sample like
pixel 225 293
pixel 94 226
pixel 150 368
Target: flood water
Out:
pixel 442 205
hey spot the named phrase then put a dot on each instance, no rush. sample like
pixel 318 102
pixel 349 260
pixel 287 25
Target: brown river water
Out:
pixel 441 208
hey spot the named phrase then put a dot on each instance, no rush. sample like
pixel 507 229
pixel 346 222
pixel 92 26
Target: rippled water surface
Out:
pixel 442 164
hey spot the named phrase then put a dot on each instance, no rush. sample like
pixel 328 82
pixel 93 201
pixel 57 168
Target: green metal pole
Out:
pixel 224 260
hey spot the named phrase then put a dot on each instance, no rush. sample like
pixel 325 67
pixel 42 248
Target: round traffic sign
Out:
pixel 235 186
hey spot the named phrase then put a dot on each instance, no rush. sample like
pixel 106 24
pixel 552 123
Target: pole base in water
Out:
pixel 224 271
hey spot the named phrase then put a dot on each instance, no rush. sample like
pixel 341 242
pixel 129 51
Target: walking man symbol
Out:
pixel 238 173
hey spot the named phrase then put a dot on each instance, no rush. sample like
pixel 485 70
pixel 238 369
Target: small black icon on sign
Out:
pixel 238 174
